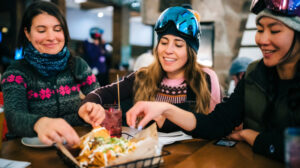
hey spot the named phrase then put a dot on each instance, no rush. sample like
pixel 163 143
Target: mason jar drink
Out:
pixel 292 147
pixel 113 120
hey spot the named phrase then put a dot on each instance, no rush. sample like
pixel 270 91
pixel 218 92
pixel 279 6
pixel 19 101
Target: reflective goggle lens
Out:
pixel 184 20
pixel 288 7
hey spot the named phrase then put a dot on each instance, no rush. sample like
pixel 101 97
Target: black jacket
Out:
pixel 240 108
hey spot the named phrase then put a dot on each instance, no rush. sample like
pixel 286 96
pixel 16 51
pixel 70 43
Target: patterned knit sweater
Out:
pixel 172 91
pixel 29 96
pixel 176 92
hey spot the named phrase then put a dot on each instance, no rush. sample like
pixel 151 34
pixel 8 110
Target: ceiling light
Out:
pixel 4 29
pixel 100 14
pixel 80 1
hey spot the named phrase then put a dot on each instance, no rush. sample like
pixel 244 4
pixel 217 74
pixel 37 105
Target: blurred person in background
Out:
pixel 41 91
pixel 174 77
pixel 266 100
pixel 237 71
pixel 97 56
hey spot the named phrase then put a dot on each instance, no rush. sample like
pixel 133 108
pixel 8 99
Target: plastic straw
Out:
pixel 119 106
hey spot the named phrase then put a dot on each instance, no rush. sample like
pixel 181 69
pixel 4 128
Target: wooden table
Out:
pixel 184 154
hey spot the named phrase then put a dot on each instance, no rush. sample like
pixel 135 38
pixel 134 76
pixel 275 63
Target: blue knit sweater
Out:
pixel 29 96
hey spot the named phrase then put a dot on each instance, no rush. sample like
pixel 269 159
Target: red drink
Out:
pixel 113 120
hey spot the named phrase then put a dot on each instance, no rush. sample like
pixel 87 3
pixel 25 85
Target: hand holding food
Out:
pixel 54 130
pixel 92 113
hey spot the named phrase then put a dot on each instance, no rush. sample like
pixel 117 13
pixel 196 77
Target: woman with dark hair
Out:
pixel 41 92
pixel 174 77
pixel 266 100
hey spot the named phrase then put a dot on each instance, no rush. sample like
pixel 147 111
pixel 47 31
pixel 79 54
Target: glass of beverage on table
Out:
pixel 113 120
pixel 292 147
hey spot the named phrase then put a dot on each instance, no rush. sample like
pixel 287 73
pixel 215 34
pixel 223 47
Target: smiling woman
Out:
pixel 42 91
pixel 172 55
pixel 174 77
pixel 274 39
pixel 46 34
pixel 265 101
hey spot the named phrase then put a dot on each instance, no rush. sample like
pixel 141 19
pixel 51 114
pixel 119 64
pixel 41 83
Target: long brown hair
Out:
pixel 148 79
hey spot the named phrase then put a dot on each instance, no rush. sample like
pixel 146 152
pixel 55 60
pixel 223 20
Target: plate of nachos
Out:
pixel 99 149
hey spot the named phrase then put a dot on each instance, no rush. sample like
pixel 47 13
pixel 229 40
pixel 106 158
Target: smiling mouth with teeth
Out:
pixel 268 51
pixel 169 59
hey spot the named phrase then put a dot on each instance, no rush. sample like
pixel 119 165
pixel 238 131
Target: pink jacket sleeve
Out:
pixel 215 88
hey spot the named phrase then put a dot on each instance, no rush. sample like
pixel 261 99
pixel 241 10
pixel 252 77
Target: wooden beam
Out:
pixel 61 4
pixel 92 5
pixel 117 35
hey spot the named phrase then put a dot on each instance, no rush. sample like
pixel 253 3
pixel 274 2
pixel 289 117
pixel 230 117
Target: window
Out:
pixel 205 54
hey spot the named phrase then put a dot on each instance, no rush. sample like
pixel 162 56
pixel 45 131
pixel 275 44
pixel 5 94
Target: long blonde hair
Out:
pixel 148 79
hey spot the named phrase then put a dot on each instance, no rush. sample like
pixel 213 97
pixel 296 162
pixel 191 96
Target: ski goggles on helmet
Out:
pixel 96 32
pixel 185 22
pixel 286 7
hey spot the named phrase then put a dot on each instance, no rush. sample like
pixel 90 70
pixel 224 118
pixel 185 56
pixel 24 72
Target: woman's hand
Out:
pixel 53 130
pixel 150 111
pixel 92 113
pixel 159 111
pixel 247 135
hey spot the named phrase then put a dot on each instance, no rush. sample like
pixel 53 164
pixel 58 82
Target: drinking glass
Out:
pixel 113 120
pixel 292 147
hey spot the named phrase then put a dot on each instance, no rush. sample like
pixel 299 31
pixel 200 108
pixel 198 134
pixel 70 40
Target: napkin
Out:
pixel 169 138
pixel 163 138
pixel 13 164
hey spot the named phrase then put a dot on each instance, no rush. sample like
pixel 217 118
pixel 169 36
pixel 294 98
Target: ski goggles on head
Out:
pixel 286 7
pixel 185 21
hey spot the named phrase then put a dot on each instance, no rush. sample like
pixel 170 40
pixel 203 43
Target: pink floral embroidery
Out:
pixel 42 94
pixel 35 95
pixel 74 88
pixel 78 87
pixel 19 79
pixel 30 94
pixel 62 90
pixel 90 79
pixel 48 93
pixel 67 89
pixel 11 78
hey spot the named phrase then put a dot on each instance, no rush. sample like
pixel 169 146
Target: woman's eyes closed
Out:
pixel 272 31
pixel 57 28
pixel 275 31
pixel 179 45
pixel 44 29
